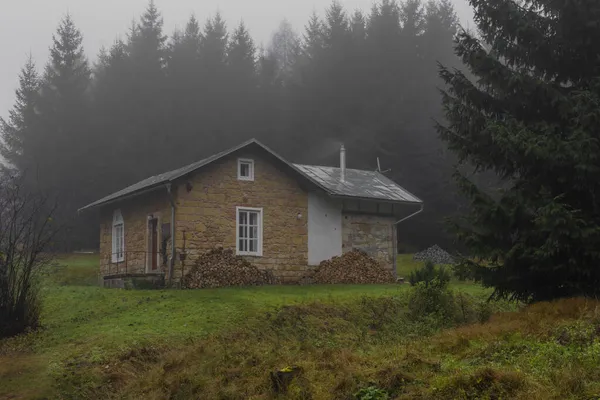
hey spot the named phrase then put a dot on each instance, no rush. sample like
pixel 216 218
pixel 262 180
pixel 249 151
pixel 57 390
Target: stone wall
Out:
pixel 135 218
pixel 373 234
pixel 206 211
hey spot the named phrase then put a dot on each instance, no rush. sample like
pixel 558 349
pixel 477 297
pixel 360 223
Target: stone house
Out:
pixel 281 216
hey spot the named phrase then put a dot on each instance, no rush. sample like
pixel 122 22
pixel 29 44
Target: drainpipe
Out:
pixel 395 227
pixel 172 262
pixel 343 163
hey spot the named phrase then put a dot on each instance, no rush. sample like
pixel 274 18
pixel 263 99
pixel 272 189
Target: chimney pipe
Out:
pixel 343 163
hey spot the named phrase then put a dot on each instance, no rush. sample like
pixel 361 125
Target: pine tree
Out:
pixel 18 132
pixel 358 26
pixel 147 86
pixel 187 98
pixel 243 85
pixel 64 154
pixel 113 119
pixel 215 86
pixel 531 116
pixel 64 110
pixel 314 38
pixel 241 59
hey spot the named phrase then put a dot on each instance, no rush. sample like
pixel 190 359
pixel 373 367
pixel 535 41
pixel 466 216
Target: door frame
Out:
pixel 148 259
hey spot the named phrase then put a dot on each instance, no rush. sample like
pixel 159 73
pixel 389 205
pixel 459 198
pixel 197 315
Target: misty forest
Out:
pixel 496 130
pixel 156 101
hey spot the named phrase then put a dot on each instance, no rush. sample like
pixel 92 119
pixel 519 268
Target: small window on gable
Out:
pixel 118 237
pixel 245 169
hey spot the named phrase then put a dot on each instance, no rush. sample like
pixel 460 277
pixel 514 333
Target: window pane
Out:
pixel 254 245
pixel 245 170
pixel 254 218
pixel 254 232
pixel 241 245
pixel 243 217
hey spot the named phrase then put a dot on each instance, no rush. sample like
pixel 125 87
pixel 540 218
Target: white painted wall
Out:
pixel 324 228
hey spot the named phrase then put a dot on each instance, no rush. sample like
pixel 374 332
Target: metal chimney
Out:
pixel 343 163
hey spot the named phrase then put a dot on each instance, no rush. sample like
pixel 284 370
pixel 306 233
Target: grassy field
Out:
pixel 85 322
pixel 222 344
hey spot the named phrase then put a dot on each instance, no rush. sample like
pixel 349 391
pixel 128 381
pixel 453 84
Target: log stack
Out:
pixel 436 255
pixel 354 267
pixel 221 268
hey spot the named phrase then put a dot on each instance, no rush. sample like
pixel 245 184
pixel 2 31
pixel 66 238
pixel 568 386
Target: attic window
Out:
pixel 245 169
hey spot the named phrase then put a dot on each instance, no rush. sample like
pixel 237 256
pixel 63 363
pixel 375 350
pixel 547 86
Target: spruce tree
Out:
pixel 185 90
pixel 112 116
pixel 215 86
pixel 64 111
pixel 530 115
pixel 18 132
pixel 147 86
pixel 241 59
pixel 243 85
pixel 314 38
pixel 64 153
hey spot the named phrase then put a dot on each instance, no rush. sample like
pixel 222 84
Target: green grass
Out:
pixel 86 324
pixel 81 319
pixel 223 343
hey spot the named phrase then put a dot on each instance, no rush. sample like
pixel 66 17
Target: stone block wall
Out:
pixel 206 211
pixel 135 218
pixel 370 233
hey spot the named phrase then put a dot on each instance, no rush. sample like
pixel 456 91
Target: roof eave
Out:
pixel 122 198
pixel 340 196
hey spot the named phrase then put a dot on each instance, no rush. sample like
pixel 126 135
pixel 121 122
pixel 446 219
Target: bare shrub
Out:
pixel 26 233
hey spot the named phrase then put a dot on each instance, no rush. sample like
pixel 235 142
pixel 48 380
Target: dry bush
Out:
pixel 26 233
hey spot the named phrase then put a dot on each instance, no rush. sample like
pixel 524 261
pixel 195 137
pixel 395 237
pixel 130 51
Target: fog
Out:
pixel 27 26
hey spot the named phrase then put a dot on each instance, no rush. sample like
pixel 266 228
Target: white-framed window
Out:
pixel 249 231
pixel 245 169
pixel 118 237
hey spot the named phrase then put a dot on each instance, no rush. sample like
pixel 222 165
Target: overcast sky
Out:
pixel 27 25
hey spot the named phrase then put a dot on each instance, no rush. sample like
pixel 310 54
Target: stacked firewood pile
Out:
pixel 435 254
pixel 354 267
pixel 221 268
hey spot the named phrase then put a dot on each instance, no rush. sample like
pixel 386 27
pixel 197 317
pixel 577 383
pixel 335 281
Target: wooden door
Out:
pixel 154 244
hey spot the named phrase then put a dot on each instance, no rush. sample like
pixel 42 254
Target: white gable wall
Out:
pixel 324 228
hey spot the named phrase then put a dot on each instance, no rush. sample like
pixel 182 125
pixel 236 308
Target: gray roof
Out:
pixel 358 183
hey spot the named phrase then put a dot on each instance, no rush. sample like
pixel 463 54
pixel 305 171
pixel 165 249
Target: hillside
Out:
pixel 223 344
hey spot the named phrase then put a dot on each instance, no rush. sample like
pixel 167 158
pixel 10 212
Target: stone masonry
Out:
pixel 370 233
pixel 205 216
pixel 135 218
pixel 207 213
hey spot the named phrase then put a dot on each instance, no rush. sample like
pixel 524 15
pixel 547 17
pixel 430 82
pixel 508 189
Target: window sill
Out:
pixel 117 261
pixel 243 254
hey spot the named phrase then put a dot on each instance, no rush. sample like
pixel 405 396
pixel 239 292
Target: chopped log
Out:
pixel 354 267
pixel 221 268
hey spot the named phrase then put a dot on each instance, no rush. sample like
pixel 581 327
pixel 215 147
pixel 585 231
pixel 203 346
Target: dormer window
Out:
pixel 245 169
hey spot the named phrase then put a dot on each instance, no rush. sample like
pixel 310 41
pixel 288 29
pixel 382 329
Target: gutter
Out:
pixel 395 226
pixel 172 261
